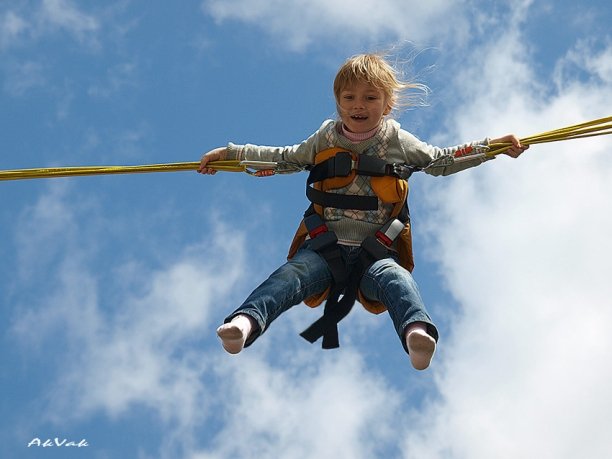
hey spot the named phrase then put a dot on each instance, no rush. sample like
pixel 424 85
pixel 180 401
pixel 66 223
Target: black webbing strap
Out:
pixel 341 165
pixel 325 243
pixel 372 166
pixel 344 283
pixel 337 309
pixel 341 201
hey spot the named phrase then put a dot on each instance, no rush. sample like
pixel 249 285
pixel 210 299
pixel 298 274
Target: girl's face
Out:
pixel 362 107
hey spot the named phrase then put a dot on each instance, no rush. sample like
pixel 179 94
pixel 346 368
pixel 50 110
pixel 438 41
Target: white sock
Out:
pixel 421 346
pixel 234 334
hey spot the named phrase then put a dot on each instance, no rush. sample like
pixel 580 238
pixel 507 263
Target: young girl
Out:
pixel 366 90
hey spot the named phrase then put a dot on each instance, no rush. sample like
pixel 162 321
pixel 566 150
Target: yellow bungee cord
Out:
pixel 256 168
pixel 602 126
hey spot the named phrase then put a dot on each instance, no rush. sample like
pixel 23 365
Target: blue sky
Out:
pixel 111 287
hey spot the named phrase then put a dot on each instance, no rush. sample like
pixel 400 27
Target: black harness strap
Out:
pixel 325 243
pixel 337 308
pixel 373 248
pixel 340 165
pixel 341 201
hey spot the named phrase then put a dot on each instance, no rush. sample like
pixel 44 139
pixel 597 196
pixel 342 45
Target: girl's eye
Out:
pixel 347 97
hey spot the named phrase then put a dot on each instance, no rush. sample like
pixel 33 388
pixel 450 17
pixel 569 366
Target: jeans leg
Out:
pixel 391 284
pixel 305 275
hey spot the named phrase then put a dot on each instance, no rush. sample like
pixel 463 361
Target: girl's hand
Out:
pixel 218 154
pixel 516 149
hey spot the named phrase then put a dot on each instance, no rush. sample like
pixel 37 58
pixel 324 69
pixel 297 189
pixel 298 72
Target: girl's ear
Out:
pixel 389 107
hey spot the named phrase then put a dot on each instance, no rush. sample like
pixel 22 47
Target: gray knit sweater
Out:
pixel 390 143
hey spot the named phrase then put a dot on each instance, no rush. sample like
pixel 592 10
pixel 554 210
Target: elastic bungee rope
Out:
pixel 256 168
pixel 602 126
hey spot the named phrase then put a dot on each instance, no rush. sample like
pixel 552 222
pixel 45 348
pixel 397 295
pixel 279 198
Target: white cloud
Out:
pixel 30 22
pixel 33 20
pixel 524 247
pixel 63 14
pixel 117 78
pixel 23 77
pixel 585 57
pixel 133 344
pixel 12 26
pixel 148 341
pixel 306 405
pixel 305 22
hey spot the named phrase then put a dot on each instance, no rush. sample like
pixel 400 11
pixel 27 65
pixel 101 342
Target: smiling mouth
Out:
pixel 359 117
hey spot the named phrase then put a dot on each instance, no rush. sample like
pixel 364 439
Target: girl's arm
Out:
pixel 301 154
pixel 422 154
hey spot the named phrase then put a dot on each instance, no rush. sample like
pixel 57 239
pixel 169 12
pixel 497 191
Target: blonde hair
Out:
pixel 374 69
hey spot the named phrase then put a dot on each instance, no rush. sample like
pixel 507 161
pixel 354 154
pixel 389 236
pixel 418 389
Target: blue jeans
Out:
pixel 307 274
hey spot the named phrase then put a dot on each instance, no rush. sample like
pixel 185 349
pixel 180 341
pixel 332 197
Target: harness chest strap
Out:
pixel 342 168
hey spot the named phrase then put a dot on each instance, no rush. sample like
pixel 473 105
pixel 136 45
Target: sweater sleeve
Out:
pixel 423 154
pixel 302 154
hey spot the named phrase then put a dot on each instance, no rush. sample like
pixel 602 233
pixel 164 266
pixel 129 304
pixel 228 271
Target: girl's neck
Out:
pixel 357 137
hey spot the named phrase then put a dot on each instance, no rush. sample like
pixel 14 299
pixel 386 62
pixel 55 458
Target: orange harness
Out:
pixel 336 168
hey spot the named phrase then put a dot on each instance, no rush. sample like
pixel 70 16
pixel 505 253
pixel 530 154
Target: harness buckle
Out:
pixel 375 248
pixel 341 165
pixel 317 231
pixel 401 170
pixel 372 166
pixel 389 232
pixel 315 225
